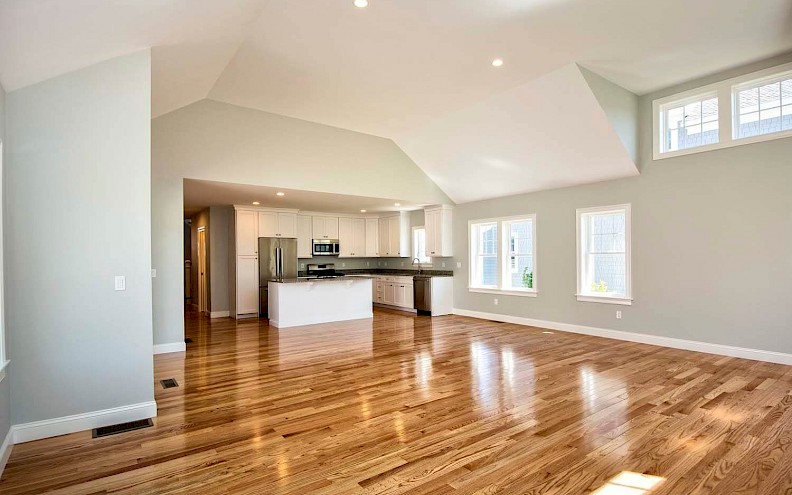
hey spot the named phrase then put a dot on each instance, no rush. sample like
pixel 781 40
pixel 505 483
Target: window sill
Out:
pixel 625 301
pixel 505 292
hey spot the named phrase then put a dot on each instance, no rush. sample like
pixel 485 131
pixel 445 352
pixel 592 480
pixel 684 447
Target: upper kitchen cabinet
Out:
pixel 277 224
pixel 372 237
pixel 438 231
pixel 325 227
pixel 352 237
pixel 394 235
pixel 304 237
pixel 246 236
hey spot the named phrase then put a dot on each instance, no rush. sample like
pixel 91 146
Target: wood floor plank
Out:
pixel 416 405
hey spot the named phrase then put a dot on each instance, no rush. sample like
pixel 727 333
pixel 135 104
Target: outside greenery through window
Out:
pixel 503 254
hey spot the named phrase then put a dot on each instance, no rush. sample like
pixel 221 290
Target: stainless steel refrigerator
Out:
pixel 277 261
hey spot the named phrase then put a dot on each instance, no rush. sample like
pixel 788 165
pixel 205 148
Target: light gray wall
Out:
pixel 621 108
pixel 216 141
pixel 219 218
pixel 78 213
pixel 5 390
pixel 711 244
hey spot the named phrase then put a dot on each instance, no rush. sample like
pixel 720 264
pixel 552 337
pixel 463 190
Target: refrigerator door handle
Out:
pixel 277 264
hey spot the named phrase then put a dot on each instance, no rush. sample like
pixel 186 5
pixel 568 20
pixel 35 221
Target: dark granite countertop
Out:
pixel 391 272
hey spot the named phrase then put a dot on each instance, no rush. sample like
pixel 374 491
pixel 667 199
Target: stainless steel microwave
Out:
pixel 326 247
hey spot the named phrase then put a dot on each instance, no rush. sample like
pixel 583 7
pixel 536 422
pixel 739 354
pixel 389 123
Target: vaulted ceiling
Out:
pixel 402 69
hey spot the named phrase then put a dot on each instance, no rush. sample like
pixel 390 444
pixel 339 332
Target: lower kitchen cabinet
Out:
pixel 394 291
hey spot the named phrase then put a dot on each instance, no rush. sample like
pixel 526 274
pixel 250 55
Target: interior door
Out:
pixel 203 303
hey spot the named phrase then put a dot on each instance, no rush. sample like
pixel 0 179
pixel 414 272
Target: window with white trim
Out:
pixel 742 110
pixel 763 107
pixel 603 263
pixel 503 255
pixel 690 122
pixel 419 246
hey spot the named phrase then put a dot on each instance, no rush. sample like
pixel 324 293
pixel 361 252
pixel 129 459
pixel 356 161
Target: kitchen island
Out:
pixel 302 301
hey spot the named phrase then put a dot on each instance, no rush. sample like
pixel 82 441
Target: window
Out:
pixel 419 246
pixel 604 254
pixel 503 255
pixel 742 110
pixel 690 123
pixel 763 107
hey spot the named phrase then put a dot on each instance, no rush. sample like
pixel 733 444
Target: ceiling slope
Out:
pixel 519 141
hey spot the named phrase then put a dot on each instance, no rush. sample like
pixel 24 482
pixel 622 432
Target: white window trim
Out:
pixel 582 296
pixel 412 246
pixel 500 257
pixel 725 91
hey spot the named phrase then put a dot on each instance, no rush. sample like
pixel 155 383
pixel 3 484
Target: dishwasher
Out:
pixel 422 294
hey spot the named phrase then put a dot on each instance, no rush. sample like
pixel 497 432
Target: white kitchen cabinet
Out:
pixel 389 293
pixel 287 225
pixel 277 224
pixel 394 236
pixel 304 237
pixel 437 222
pixel 247 285
pixel 325 227
pixel 372 237
pixel 403 295
pixel 246 233
pixel 352 237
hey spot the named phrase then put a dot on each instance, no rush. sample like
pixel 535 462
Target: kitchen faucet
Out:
pixel 420 268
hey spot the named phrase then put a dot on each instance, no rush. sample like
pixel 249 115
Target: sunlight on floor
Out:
pixel 629 483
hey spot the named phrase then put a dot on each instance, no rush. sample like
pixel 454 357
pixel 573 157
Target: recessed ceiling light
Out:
pixel 362 211
pixel 396 204
pixel 547 332
pixel 361 3
pixel 280 193
pixel 497 62
pixel 256 203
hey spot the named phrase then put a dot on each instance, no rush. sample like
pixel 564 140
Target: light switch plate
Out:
pixel 120 282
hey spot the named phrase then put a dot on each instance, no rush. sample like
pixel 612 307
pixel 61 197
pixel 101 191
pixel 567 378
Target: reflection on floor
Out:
pixel 408 404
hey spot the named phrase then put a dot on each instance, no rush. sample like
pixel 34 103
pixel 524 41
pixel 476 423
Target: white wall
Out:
pixel 711 244
pixel 5 396
pixel 216 141
pixel 78 213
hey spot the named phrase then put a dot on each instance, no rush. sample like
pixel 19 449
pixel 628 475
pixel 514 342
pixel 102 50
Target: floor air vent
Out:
pixel 188 340
pixel 122 428
pixel 169 383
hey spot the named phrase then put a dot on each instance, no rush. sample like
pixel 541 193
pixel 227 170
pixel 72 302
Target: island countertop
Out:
pixel 305 280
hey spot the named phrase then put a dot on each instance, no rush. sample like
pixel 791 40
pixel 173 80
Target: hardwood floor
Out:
pixel 428 406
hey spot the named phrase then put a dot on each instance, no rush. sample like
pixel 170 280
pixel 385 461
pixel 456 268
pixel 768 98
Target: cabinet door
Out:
pixel 372 237
pixel 246 237
pixel 400 295
pixel 346 237
pixel 247 285
pixel 383 237
pixel 430 218
pixel 304 238
pixel 394 236
pixel 331 227
pixel 408 296
pixel 267 224
pixel 287 225
pixel 388 293
pixel 358 237
pixel 318 227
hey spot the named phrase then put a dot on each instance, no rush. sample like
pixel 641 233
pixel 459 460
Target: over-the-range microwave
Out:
pixel 326 247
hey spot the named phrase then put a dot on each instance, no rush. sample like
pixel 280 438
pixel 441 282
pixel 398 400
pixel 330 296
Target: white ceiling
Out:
pixel 402 69
pixel 200 194
pixel 498 147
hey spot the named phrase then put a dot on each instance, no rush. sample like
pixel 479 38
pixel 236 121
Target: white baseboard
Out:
pixel 5 449
pixel 689 345
pixel 172 347
pixel 219 314
pixel 80 422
